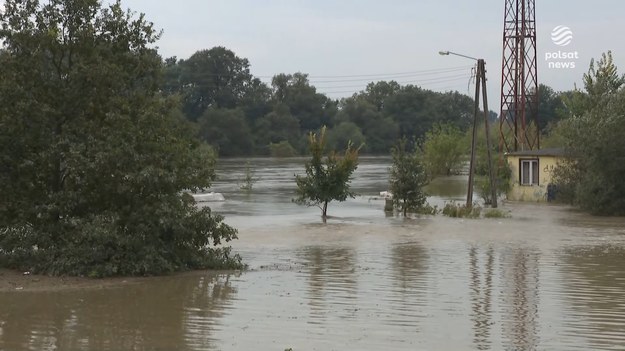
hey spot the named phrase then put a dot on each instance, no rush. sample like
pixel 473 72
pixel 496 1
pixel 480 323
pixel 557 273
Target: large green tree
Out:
pixel 312 109
pixel 328 174
pixel 380 131
pixel 275 127
pixel 595 143
pixel 227 131
pixel 550 107
pixel 215 78
pixel 343 134
pixel 94 159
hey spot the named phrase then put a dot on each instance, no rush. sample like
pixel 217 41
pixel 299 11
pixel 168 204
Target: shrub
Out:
pixel 461 211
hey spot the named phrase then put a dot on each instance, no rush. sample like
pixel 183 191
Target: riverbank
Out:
pixel 11 280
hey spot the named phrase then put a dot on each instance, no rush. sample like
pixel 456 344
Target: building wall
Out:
pixel 536 193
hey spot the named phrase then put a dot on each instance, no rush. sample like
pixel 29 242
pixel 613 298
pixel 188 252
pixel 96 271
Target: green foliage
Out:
pixel 461 211
pixel 553 136
pixel 343 134
pixel 551 108
pixel 213 83
pixel 407 179
pixel 227 131
pixel 282 149
pixel 378 130
pixel 593 175
pixel 311 109
pixel 210 78
pixel 94 159
pixel 249 179
pixel 427 209
pixel 326 180
pixel 278 127
pixel 503 174
pixel 602 79
pixel 443 150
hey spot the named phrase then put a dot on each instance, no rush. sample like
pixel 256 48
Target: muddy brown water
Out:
pixel 549 278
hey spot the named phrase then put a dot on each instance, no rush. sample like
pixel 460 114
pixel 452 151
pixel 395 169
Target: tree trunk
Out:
pixel 324 210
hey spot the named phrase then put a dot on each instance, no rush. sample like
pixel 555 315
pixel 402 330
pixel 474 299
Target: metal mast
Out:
pixel 518 118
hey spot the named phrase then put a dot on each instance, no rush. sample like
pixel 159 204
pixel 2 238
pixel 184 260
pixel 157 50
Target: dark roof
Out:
pixel 541 152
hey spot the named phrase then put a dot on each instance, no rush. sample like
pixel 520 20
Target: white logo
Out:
pixel 561 35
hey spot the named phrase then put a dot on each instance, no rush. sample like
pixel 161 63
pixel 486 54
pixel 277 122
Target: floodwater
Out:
pixel 549 278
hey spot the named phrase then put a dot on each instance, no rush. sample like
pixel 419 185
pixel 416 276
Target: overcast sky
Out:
pixel 372 37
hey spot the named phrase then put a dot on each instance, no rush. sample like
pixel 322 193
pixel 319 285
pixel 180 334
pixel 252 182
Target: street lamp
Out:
pixel 480 81
pixel 446 53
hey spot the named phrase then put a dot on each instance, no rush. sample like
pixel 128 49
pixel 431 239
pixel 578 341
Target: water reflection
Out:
pixel 595 287
pixel 481 290
pixel 331 280
pixel 450 188
pixel 519 298
pixel 157 314
pixel 409 284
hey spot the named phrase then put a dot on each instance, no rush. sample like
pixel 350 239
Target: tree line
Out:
pixel 239 115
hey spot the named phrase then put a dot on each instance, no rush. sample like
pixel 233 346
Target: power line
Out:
pixel 381 76
pixel 422 83
pixel 400 82
pixel 400 74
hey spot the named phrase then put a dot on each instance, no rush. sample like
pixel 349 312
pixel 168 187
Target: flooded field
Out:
pixel 549 278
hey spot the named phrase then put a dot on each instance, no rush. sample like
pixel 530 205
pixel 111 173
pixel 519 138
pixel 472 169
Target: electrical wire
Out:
pixel 425 82
pixel 368 77
pixel 400 82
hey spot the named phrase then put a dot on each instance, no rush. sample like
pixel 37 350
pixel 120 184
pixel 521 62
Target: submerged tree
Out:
pixel 407 179
pixel 94 158
pixel 443 149
pixel 326 180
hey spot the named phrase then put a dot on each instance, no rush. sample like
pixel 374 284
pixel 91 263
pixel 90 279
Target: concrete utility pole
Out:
pixel 480 83
pixel 481 73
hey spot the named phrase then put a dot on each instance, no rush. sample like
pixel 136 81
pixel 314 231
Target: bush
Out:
pixel 461 211
pixel 100 246
pixel 407 178
pixel 249 179
pixel 427 209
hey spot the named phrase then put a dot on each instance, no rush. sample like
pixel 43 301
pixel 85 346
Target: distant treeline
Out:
pixel 240 115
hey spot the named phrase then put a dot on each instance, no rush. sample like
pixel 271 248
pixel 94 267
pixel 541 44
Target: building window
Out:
pixel 529 172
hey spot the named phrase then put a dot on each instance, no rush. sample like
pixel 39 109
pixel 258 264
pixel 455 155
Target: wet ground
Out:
pixel 549 278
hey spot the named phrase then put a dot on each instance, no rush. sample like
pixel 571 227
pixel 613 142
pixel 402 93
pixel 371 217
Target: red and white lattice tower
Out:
pixel 519 84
